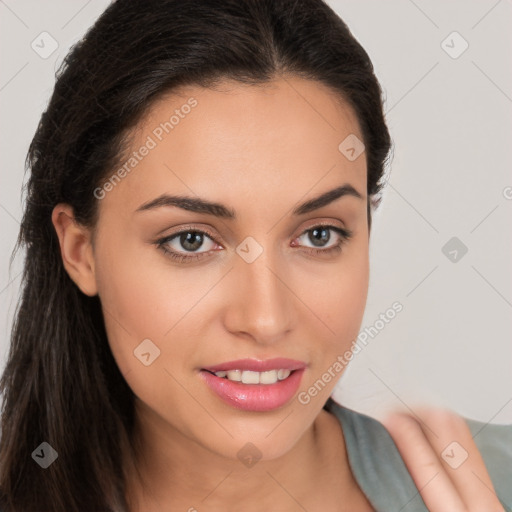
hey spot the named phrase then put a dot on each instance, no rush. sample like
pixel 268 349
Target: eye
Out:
pixel 190 240
pixel 184 245
pixel 320 235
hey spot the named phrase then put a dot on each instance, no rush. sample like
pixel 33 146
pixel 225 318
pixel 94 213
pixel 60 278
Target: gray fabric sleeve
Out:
pixel 495 445
pixel 377 465
pixel 381 472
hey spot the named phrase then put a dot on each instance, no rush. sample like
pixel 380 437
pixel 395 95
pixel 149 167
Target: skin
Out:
pixel 260 151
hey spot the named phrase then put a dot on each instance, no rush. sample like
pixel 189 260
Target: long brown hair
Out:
pixel 61 384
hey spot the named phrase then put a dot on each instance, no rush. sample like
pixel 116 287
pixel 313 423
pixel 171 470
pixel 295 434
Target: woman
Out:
pixel 197 228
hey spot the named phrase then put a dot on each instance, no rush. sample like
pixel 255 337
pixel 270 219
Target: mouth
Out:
pixel 254 385
pixel 251 377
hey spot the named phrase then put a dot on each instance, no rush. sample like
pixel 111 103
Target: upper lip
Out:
pixel 257 365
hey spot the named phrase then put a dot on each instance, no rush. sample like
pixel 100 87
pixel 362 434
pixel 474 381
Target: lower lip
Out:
pixel 254 397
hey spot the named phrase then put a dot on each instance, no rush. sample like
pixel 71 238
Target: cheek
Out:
pixel 142 298
pixel 131 293
pixel 338 296
pixel 352 299
pixel 337 299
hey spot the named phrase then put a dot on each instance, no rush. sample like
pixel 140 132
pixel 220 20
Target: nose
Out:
pixel 262 307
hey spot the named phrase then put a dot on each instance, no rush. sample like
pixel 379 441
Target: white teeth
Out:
pixel 283 374
pixel 269 377
pixel 235 375
pixel 250 377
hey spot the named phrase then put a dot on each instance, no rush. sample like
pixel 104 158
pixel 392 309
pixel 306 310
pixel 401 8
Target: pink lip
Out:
pixel 255 397
pixel 256 365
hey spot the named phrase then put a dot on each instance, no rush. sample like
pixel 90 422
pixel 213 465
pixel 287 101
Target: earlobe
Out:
pixel 75 248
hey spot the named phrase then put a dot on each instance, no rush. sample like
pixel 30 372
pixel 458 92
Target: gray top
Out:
pixel 381 472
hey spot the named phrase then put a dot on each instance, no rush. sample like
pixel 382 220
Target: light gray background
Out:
pixel 451 124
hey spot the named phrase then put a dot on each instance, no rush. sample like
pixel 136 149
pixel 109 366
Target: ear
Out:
pixel 76 248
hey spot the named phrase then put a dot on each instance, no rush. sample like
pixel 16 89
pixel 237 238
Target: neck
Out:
pixel 174 472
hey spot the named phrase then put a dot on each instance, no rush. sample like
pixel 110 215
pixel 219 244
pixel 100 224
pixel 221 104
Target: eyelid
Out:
pixel 343 233
pixel 186 228
pixel 204 229
pixel 198 227
pixel 327 223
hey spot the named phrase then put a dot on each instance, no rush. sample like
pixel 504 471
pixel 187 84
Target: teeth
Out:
pixel 250 377
pixel 269 377
pixel 235 375
pixel 282 374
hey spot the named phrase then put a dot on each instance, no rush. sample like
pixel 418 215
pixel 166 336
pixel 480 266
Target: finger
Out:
pixel 451 440
pixel 426 469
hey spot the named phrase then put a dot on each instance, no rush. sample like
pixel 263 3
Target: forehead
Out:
pixel 249 140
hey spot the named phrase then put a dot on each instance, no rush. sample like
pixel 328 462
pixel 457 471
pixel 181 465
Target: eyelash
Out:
pixel 344 235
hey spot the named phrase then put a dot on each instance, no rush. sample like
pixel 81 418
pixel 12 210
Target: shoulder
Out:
pixel 495 445
pixel 376 462
pixel 381 472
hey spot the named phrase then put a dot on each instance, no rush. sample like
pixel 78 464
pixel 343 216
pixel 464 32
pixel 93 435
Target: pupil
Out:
pixel 191 240
pixel 320 234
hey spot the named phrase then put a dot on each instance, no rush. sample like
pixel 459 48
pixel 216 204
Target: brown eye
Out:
pixel 180 244
pixel 320 236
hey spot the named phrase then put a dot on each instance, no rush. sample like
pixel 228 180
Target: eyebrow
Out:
pixel 198 205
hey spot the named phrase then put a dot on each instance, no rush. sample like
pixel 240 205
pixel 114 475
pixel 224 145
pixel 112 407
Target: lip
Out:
pixel 254 397
pixel 256 365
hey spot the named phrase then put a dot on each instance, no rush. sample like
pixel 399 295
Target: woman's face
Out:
pixel 258 280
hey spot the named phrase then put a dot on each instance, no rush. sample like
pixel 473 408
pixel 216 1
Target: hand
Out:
pixel 446 483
